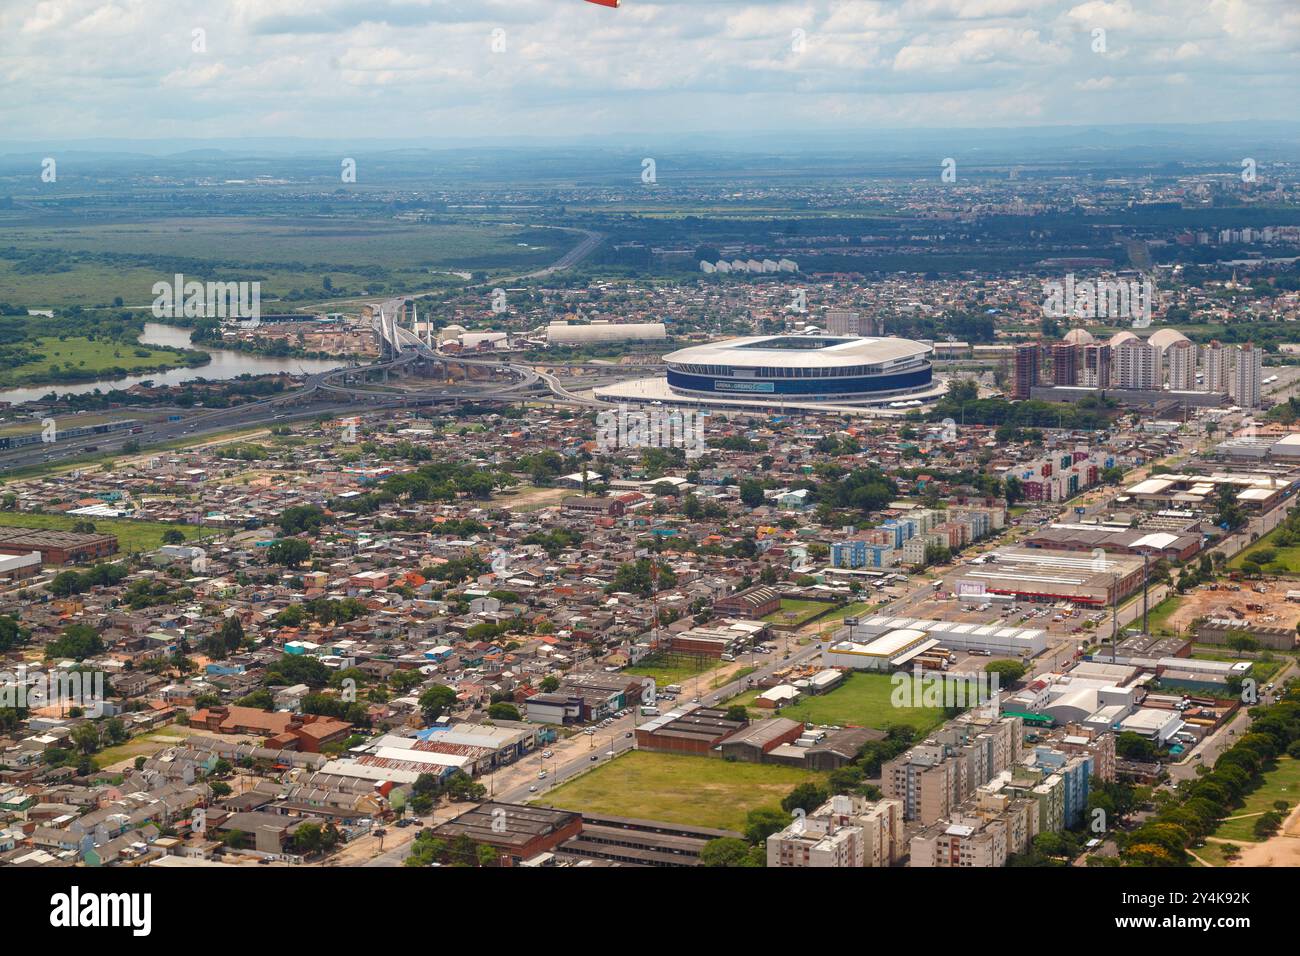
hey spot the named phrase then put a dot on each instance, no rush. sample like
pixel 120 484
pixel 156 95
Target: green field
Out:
pixel 1158 618
pixel 672 668
pixel 704 791
pixel 1287 560
pixel 1280 783
pixel 73 357
pixel 132 535
pixel 863 700
pixel 89 265
pixel 795 613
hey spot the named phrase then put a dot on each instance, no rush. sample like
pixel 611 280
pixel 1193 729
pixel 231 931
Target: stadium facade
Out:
pixel 802 368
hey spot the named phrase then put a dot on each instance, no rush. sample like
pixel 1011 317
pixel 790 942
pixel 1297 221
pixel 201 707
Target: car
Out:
pixel 546 754
pixel 628 734
pixel 541 775
pixel 533 788
pixel 595 756
pixel 588 731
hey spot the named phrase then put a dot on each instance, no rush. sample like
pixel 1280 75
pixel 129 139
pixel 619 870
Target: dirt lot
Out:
pixel 531 499
pixel 1283 849
pixel 1278 611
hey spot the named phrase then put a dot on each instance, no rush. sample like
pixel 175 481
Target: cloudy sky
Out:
pixel 401 69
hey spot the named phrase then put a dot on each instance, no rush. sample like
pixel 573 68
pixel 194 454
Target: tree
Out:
pixel 86 738
pixel 806 796
pixel 1230 515
pixel 78 641
pixel 751 493
pixel 1012 489
pixel 762 823
pixel 173 536
pixel 289 552
pixel 1008 671
pixel 728 852
pixel 1241 641
pixel 738 712
pixel 1131 746
pixel 309 838
pixel 503 710
pixel 550 684
pixel 232 633
pixel 436 701
pixel 11 635
pixel 300 518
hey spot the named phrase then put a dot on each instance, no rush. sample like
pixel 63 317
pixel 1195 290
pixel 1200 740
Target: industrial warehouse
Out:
pixel 885 643
pixel 1039 574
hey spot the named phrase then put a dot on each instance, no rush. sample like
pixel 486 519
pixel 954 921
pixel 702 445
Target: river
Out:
pixel 225 364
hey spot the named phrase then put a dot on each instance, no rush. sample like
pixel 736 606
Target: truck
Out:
pixel 649 711
pixel 673 689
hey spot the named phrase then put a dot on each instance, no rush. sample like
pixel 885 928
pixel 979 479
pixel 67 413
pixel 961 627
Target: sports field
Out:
pixel 704 791
pixel 795 612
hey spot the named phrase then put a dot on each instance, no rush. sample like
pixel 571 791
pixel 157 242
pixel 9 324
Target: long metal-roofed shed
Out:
pixel 691 729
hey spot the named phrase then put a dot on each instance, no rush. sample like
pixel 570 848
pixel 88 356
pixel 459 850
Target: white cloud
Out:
pixel 125 67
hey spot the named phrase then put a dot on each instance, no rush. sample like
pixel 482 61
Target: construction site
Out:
pixel 1264 605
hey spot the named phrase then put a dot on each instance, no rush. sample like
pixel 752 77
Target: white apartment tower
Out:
pixel 1182 366
pixel 1247 370
pixel 1214 363
pixel 1136 365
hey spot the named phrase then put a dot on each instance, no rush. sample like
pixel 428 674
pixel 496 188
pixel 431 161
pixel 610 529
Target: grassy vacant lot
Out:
pixel 132 535
pixel 863 700
pixel 1288 558
pixel 80 354
pixel 1280 783
pixel 858 608
pixel 705 791
pixel 1160 614
pixel 801 611
pixel 672 668
pixel 145 745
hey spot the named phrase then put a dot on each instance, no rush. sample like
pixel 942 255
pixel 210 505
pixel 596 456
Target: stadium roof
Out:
pixel 800 351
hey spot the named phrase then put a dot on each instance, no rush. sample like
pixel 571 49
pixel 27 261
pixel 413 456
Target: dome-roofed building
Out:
pixel 1167 337
pixel 1119 338
pixel 1078 337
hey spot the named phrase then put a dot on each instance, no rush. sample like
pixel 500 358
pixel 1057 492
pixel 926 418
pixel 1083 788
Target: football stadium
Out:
pixel 802 368
pixel 810 372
